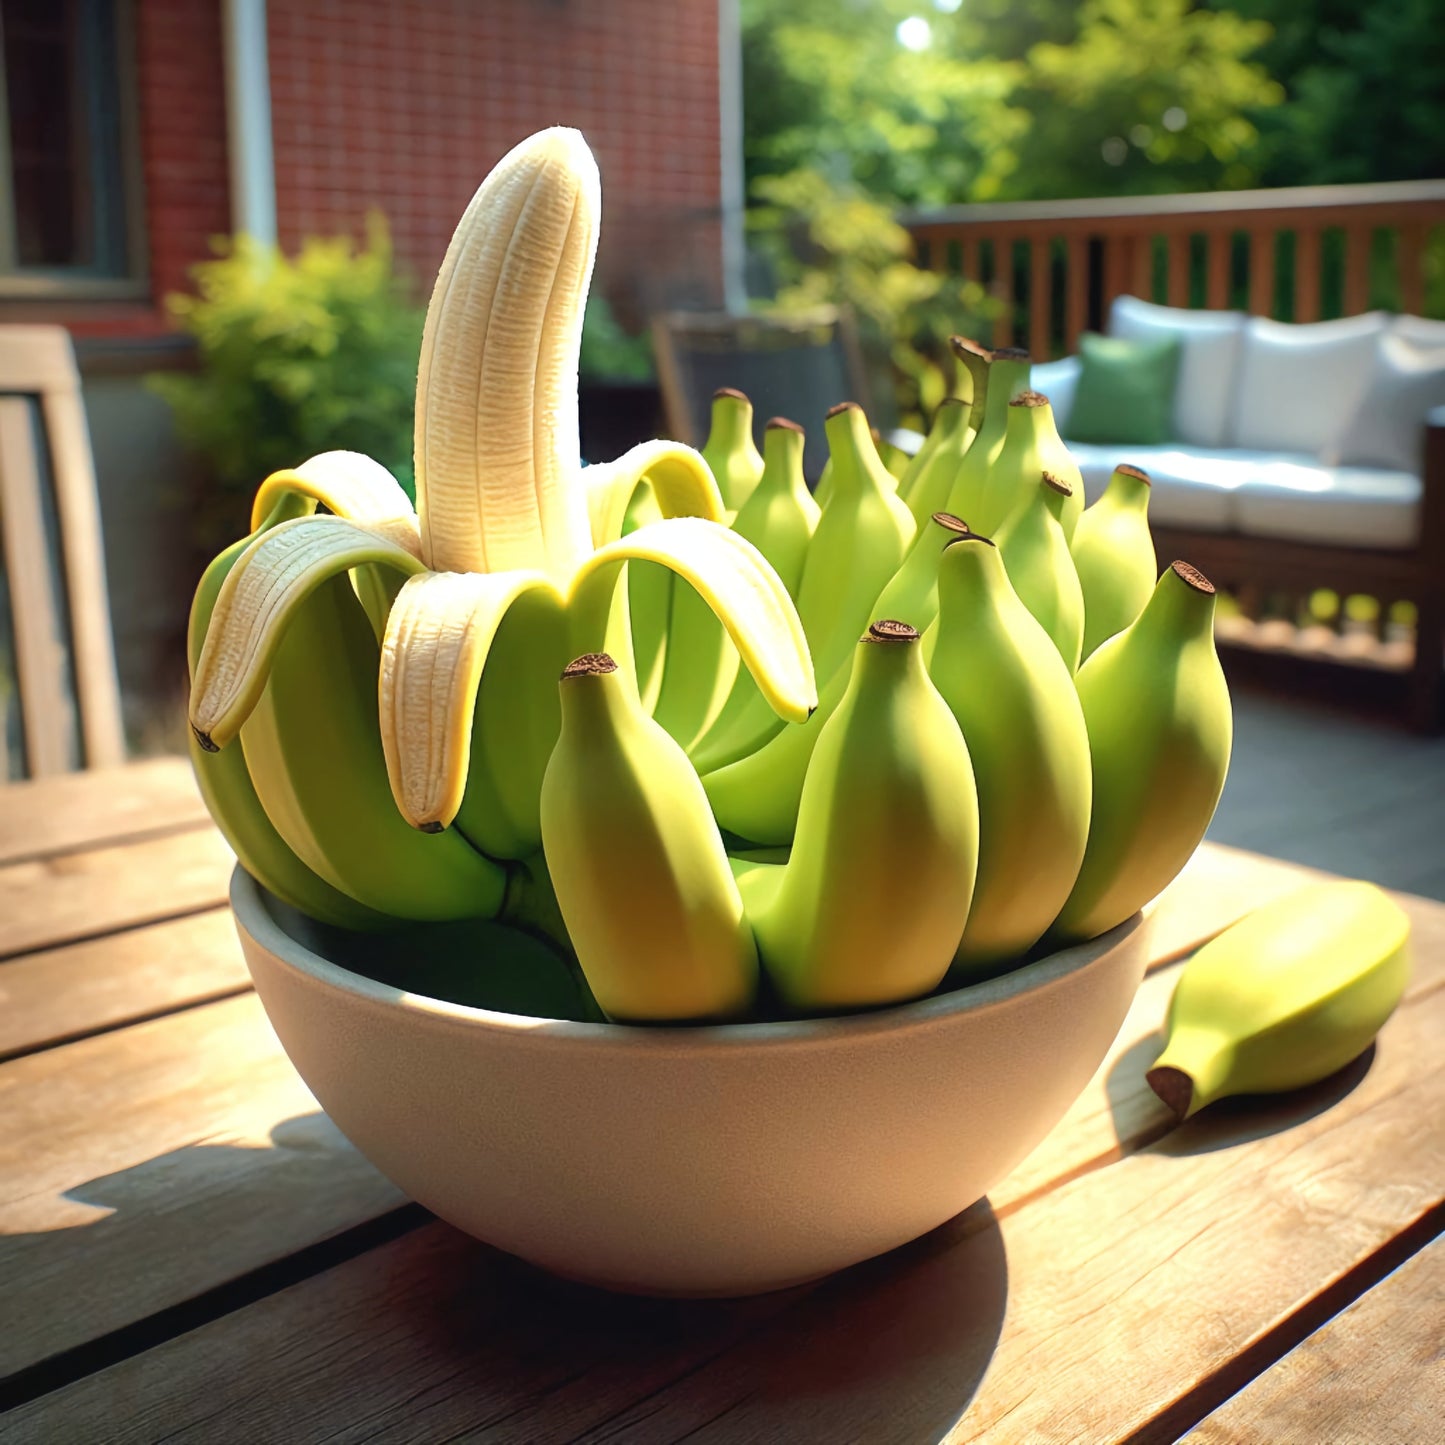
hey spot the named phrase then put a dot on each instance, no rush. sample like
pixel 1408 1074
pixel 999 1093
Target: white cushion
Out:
pixel 1057 381
pixel 1387 428
pixel 1268 494
pixel 1349 506
pixel 1420 330
pixel 1299 385
pixel 1191 487
pixel 1208 361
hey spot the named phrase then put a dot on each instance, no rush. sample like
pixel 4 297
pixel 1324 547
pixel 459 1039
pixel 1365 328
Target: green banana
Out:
pixel 1160 727
pixel 861 537
pixel 823 492
pixel 1013 697
pixel 1285 997
pixel 1113 555
pixel 895 460
pixel 777 517
pixel 1023 457
pixel 998 377
pixel 781 515
pixel 873 900
pixel 226 787
pixel 644 885
pixel 1036 555
pixel 757 797
pixel 912 592
pixel 649 601
pixel 1059 461
pixel 730 452
pixel 313 747
pixel 927 483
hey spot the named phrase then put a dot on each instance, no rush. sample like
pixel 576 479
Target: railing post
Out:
pixel 1041 299
pixel 1076 292
pixel 1261 271
pixel 1216 281
pixel 1177 285
pixel 1358 241
pixel 1410 259
pixel 1307 274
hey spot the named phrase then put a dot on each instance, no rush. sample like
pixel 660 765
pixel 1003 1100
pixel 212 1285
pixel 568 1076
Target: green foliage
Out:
pixel 608 352
pixel 1011 99
pixel 297 355
pixel 835 246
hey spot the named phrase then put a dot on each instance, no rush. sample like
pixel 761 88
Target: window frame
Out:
pixel 120 187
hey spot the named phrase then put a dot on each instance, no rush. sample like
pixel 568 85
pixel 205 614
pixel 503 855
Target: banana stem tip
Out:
pixel 1174 1087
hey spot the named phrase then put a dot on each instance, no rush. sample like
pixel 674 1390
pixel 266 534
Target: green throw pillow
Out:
pixel 1126 390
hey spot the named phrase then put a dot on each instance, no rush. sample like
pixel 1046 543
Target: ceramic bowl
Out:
pixel 694 1161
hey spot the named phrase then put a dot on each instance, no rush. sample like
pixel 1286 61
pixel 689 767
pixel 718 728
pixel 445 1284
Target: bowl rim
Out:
pixel 254 918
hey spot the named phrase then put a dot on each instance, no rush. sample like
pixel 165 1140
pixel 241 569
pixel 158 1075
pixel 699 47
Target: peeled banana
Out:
pixel 1285 997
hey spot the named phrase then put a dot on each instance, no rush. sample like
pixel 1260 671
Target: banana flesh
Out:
pixel 1285 997
pixel 642 879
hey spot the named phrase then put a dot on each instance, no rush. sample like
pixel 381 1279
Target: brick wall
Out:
pixel 403 105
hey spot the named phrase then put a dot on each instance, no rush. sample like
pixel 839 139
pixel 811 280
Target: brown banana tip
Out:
pixel 1128 469
pixel 889 629
pixel 730 391
pixel 432 827
pixel 1174 1087
pixel 1058 484
pixel 781 423
pixel 1030 399
pixel 952 523
pixel 1011 353
pixel 841 408
pixel 204 740
pixel 1192 577
pixel 968 537
pixel 967 346
pixel 590 664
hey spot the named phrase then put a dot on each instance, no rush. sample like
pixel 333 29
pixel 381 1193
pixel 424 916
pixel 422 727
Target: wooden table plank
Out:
pixel 1374 1375
pixel 66 993
pixel 85 810
pixel 142 1166
pixel 70 896
pixel 434 1335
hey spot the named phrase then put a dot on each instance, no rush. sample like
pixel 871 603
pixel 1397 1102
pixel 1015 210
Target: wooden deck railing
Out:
pixel 1297 254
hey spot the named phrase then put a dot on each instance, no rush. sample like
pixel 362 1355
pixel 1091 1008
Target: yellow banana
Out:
pixel 1113 555
pixel 1160 727
pixel 1285 997
pixel 780 516
pixel 643 882
pixel 1036 554
pixel 873 900
pixel 1014 700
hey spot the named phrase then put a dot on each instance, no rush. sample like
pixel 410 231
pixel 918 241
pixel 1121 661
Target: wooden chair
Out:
pixel 796 368
pixel 54 614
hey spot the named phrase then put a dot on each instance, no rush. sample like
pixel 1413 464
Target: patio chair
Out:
pixel 796 368
pixel 59 699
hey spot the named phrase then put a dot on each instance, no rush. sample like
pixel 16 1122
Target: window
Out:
pixel 67 173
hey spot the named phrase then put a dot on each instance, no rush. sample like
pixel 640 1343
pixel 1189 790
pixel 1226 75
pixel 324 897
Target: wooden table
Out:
pixel 190 1251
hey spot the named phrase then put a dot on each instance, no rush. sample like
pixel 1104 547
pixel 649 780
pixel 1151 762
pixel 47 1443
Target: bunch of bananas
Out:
pixel 836 754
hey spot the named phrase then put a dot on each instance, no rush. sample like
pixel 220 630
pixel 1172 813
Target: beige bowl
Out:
pixel 695 1161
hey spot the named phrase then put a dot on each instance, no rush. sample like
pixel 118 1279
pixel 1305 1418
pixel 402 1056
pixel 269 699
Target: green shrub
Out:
pixel 297 355
pixel 608 352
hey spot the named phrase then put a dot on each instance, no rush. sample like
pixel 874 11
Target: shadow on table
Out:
pixel 1227 1122
pixel 891 1350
